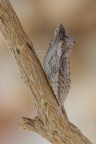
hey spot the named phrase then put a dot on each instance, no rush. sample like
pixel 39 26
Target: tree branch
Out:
pixel 50 122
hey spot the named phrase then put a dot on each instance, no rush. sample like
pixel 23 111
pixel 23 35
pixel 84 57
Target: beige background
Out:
pixel 39 19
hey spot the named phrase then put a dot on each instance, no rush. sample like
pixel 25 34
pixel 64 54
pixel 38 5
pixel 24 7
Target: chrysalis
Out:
pixel 57 64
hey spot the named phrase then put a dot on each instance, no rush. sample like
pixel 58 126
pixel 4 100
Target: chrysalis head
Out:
pixel 64 39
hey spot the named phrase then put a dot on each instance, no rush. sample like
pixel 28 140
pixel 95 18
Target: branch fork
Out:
pixel 48 87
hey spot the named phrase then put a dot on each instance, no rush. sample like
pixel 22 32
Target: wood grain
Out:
pixel 50 122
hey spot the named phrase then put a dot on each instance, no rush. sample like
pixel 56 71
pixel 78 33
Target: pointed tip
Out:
pixel 22 123
pixel 60 32
pixel 63 34
pixel 61 27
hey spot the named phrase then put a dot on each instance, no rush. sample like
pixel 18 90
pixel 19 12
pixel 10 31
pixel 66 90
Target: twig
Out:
pixel 53 127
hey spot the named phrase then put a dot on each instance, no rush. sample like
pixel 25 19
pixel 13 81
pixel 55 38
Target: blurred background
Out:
pixel 39 19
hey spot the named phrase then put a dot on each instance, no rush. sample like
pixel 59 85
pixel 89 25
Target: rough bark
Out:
pixel 50 123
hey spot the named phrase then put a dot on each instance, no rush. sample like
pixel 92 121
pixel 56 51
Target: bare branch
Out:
pixel 55 127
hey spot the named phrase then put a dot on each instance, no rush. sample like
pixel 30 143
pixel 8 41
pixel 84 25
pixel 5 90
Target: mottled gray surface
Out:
pixel 57 64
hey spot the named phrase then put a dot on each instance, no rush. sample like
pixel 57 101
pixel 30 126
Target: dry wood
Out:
pixel 50 123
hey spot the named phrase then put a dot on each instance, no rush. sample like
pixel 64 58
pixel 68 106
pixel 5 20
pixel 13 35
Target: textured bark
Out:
pixel 50 122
